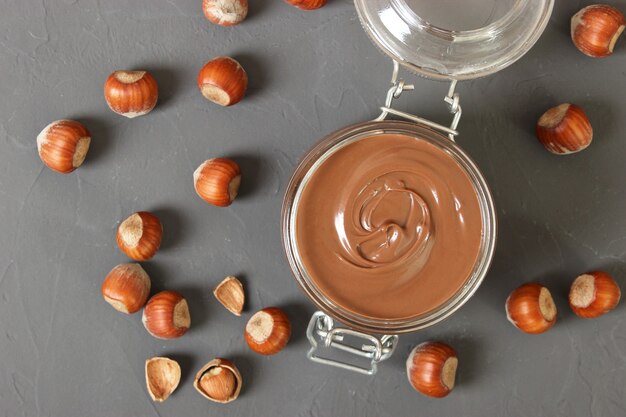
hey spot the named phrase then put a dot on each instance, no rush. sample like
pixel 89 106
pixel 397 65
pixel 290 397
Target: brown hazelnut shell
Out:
pixel 223 81
pixel 230 294
pixel 126 288
pixel 431 369
pixel 268 331
pixel 564 129
pixel 217 181
pixel 225 12
pixel 531 308
pixel 166 315
pixel 139 236
pixel 307 4
pixel 131 93
pixel 162 377
pixel 594 294
pixel 63 145
pixel 595 29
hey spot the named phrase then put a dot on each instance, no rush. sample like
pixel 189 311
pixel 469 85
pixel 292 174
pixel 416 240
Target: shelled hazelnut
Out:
pixel 223 81
pixel 531 308
pixel 166 315
pixel 139 236
pixel 162 377
pixel 594 294
pixel 217 181
pixel 595 29
pixel 225 12
pixel 431 369
pixel 126 288
pixel 564 129
pixel 219 381
pixel 63 145
pixel 131 93
pixel 268 331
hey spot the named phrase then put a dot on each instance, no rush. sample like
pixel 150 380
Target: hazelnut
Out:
pixel 307 4
pixel 268 331
pixel 225 12
pixel 594 294
pixel 126 288
pixel 162 377
pixel 531 308
pixel 217 181
pixel 564 129
pixel 229 292
pixel 131 93
pixel 166 315
pixel 223 81
pixel 139 236
pixel 596 29
pixel 219 381
pixel 431 369
pixel 63 145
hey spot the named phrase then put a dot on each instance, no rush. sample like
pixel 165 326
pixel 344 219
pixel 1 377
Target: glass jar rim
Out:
pixel 446 54
pixel 329 145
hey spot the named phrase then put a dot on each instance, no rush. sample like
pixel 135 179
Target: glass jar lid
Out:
pixel 454 39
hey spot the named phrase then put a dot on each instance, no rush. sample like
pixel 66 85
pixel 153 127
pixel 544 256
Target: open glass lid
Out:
pixel 454 39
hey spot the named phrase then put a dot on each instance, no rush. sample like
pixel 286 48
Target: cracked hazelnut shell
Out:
pixel 219 381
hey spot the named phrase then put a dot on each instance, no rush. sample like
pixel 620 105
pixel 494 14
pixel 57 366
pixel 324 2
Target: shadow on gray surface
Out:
pixel 174 223
pixel 169 81
pixel 299 314
pixel 102 137
pixel 246 366
pixel 256 9
pixel 258 72
pixel 255 172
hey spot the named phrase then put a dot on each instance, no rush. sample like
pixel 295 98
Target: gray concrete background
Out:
pixel 65 352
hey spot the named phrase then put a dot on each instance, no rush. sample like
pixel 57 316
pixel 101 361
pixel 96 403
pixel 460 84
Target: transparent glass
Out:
pixel 307 168
pixel 454 39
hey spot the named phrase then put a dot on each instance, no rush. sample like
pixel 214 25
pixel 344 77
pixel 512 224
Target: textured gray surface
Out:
pixel 65 352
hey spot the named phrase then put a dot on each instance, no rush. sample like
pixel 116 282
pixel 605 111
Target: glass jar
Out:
pixel 446 40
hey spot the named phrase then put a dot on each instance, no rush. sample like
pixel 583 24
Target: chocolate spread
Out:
pixel 389 227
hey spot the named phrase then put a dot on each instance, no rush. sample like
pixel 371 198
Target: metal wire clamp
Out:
pixel 322 329
pixel 398 86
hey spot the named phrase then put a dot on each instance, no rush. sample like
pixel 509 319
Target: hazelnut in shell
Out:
pixel 564 129
pixel 63 145
pixel 126 288
pixel 531 308
pixel 431 369
pixel 595 29
pixel 139 236
pixel 225 12
pixel 307 4
pixel 268 331
pixel 594 294
pixel 217 181
pixel 166 315
pixel 131 93
pixel 223 81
